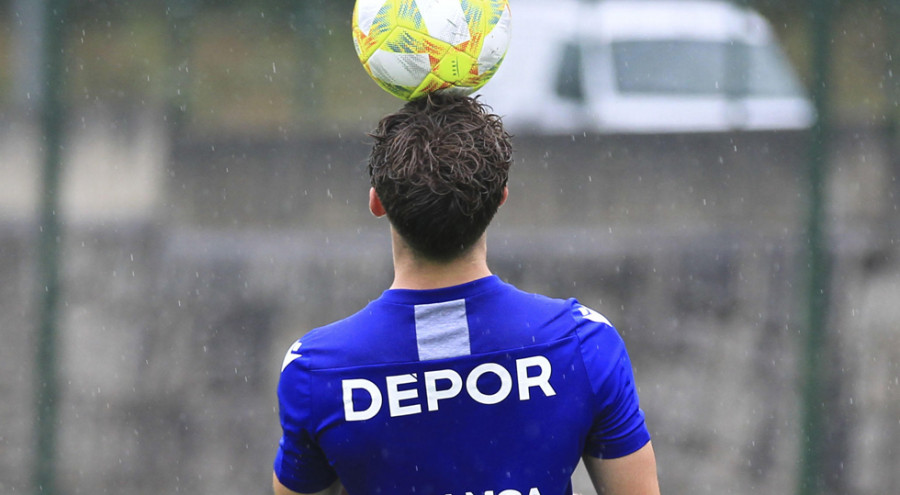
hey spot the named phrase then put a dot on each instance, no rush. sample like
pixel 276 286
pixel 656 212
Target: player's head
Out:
pixel 439 167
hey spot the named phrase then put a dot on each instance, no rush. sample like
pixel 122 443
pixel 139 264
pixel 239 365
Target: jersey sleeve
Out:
pixel 618 428
pixel 300 464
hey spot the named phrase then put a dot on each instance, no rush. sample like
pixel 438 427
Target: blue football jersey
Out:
pixel 474 389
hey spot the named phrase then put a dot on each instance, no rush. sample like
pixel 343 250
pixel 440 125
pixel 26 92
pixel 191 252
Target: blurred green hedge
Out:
pixel 288 66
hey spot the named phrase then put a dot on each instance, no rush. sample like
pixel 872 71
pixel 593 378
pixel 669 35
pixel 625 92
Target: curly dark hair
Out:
pixel 439 167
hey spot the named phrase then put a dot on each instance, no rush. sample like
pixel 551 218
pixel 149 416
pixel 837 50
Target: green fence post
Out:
pixel 52 118
pixel 813 370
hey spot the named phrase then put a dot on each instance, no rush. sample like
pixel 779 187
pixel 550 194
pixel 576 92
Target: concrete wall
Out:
pixel 177 313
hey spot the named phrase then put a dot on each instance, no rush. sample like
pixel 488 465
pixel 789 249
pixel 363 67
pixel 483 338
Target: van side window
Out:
pixel 568 75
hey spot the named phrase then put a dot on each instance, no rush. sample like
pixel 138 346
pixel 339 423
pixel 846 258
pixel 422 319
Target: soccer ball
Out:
pixel 415 47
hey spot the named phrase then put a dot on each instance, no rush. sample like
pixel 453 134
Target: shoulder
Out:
pixel 533 306
pixel 570 309
pixel 602 347
pixel 315 346
pixel 293 353
pixel 591 325
pixel 594 330
pixel 581 312
pixel 299 355
pixel 302 358
pixel 380 332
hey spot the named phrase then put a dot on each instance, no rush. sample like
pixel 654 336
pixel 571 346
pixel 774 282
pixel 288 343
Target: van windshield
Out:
pixel 701 68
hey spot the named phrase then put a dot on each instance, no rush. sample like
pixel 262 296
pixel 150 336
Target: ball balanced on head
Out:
pixel 415 47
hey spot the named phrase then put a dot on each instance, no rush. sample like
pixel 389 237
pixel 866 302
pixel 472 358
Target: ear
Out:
pixel 375 205
pixel 505 195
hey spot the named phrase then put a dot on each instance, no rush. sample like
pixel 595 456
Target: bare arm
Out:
pixel 334 489
pixel 634 474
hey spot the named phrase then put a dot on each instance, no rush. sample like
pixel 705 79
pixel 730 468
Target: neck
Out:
pixel 411 271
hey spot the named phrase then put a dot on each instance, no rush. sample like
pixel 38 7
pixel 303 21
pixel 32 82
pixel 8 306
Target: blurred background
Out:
pixel 182 195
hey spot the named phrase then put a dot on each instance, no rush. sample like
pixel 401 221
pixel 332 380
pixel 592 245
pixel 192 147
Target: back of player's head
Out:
pixel 439 167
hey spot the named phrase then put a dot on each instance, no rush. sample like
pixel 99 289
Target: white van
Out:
pixel 644 66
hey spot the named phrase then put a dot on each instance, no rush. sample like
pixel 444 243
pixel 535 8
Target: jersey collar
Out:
pixel 430 296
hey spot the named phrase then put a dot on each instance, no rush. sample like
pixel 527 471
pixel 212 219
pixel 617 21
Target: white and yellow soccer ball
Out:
pixel 415 47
